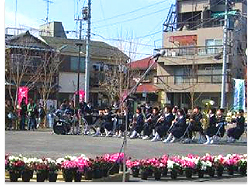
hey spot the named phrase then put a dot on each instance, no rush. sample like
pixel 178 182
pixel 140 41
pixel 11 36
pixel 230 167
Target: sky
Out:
pixel 137 21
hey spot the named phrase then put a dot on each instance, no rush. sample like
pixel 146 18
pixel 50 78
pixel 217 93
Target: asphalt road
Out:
pixel 45 144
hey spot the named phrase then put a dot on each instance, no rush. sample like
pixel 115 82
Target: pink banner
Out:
pixel 23 92
pixel 81 95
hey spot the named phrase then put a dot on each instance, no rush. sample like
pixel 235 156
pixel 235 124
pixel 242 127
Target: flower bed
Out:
pixel 189 166
pixel 78 168
pixel 72 168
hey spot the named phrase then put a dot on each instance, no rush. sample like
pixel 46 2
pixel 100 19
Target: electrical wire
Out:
pixel 133 11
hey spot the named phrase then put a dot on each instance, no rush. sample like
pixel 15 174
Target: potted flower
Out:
pixel 208 161
pixel 15 166
pixel 157 169
pixel 41 168
pixel 243 166
pixel 164 161
pixel 230 164
pixel 28 170
pixel 81 164
pixel 173 167
pixel 219 165
pixel 96 166
pixel 68 168
pixel 53 168
pixel 188 166
pixel 88 171
pixel 201 167
pixel 134 166
pixel 145 169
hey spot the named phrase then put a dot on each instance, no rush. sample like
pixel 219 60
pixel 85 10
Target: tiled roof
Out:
pixel 142 64
pixel 97 48
pixel 149 88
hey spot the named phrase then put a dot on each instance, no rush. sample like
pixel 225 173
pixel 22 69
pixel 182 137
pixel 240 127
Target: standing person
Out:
pixel 50 116
pixel 179 127
pixel 23 113
pixel 41 115
pixel 138 124
pixel 64 105
pixel 74 118
pixel 31 109
pixel 165 122
pixel 9 115
pixel 211 130
pixel 236 132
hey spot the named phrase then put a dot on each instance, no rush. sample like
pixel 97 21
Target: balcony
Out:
pixel 199 83
pixel 189 54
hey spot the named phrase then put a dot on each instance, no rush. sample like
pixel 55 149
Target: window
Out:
pixel 212 46
pixel 182 75
pixel 74 64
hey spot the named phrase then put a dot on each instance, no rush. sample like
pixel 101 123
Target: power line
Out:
pixel 130 11
pixel 132 19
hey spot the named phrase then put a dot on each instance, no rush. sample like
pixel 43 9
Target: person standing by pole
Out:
pixel 23 113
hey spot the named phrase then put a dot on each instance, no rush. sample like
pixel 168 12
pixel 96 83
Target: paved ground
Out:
pixel 40 143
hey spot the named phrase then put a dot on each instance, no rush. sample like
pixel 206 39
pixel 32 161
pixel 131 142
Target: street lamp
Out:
pixel 78 75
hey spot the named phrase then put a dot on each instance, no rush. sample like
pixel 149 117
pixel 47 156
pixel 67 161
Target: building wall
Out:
pixel 68 82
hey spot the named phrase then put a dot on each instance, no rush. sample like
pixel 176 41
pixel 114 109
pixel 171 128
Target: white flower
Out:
pixel 170 164
pixel 60 160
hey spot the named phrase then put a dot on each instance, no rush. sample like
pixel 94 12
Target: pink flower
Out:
pixel 69 164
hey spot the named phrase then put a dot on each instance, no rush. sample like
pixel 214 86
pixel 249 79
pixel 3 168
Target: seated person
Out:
pixel 211 130
pixel 220 123
pixel 195 123
pixel 236 132
pixel 150 123
pixel 179 127
pixel 107 124
pixel 165 122
pixel 137 125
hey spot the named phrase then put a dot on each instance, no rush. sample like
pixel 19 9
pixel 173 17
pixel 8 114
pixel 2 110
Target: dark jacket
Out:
pixel 168 119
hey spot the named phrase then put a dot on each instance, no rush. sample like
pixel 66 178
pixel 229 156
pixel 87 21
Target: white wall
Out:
pixel 68 82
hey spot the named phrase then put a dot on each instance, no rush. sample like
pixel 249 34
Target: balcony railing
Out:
pixel 194 50
pixel 187 79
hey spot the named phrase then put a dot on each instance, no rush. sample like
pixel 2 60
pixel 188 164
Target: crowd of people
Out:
pixel 31 114
pixel 148 123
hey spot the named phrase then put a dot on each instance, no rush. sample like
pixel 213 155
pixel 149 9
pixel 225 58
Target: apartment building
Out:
pixel 191 69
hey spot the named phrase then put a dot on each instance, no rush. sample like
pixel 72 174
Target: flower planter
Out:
pixel 180 171
pixel 144 174
pixel 150 172
pixel 200 173
pixel 97 174
pixel 77 176
pixel 68 175
pixel 164 172
pixel 52 176
pixel 135 172
pixel 121 168
pixel 173 174
pixel 157 175
pixel 27 175
pixel 40 176
pixel 88 174
pixel 210 171
pixel 105 172
pixel 230 170
pixel 219 171
pixel 188 173
pixel 13 176
pixel 243 170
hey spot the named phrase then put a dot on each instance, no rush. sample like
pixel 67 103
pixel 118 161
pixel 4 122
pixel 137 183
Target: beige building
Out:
pixel 191 69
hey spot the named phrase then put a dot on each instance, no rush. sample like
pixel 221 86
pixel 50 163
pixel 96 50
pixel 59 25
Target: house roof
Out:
pixel 26 40
pixel 149 88
pixel 142 64
pixel 97 48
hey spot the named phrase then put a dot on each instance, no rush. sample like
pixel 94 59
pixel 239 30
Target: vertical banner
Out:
pixel 22 92
pixel 239 94
pixel 81 95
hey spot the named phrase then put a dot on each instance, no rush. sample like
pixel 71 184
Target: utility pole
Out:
pixel 77 99
pixel 224 67
pixel 87 59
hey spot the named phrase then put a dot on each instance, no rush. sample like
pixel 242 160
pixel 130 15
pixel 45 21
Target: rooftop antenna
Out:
pixel 48 2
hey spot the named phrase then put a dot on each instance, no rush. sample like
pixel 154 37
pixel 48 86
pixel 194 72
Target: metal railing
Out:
pixel 194 50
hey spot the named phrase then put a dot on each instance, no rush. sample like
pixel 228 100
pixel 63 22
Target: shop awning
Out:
pixel 148 88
